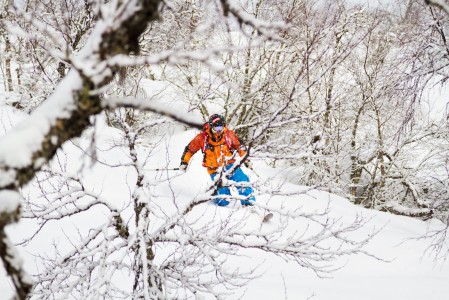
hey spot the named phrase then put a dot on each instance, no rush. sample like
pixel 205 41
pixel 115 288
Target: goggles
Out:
pixel 217 128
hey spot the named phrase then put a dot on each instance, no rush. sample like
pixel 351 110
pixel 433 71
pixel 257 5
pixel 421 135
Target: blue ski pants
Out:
pixel 237 176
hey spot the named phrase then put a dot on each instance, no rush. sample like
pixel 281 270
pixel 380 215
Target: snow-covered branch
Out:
pixel 66 113
pixel 268 29
pixel 10 213
pixel 442 4
pixel 158 108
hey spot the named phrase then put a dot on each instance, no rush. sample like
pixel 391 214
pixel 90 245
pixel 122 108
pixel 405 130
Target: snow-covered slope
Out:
pixel 404 273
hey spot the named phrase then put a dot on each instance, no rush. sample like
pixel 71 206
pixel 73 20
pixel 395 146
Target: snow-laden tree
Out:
pixel 341 73
pixel 442 4
pixel 39 62
pixel 351 80
pixel 66 113
pixel 146 244
pixel 390 133
pixel 431 59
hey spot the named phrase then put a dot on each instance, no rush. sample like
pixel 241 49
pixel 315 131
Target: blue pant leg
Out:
pixel 239 176
pixel 220 191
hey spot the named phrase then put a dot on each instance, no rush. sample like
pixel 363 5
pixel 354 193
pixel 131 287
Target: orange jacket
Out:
pixel 217 150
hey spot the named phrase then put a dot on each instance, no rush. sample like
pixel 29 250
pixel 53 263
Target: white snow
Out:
pixel 9 201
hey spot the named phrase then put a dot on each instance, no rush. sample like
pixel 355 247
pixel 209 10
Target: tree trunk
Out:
pixel 9 86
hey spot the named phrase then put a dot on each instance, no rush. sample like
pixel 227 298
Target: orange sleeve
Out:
pixel 236 144
pixel 194 145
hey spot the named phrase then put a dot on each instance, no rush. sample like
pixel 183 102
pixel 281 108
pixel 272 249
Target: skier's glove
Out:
pixel 183 166
pixel 248 164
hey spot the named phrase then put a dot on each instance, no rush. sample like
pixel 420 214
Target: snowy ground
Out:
pixel 406 273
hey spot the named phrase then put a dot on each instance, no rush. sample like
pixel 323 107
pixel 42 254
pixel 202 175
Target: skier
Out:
pixel 220 146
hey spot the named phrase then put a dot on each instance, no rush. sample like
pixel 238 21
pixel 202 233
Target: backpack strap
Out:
pixel 228 140
pixel 205 144
pixel 205 136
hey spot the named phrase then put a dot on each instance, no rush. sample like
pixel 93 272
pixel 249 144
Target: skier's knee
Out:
pixel 221 202
pixel 247 202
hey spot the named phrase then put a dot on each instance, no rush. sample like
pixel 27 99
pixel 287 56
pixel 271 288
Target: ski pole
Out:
pixel 256 173
pixel 162 169
pixel 252 169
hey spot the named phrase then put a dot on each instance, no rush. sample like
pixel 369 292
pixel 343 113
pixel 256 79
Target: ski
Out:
pixel 267 217
pixel 264 216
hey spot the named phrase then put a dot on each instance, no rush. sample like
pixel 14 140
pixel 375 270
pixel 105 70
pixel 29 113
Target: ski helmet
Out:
pixel 217 120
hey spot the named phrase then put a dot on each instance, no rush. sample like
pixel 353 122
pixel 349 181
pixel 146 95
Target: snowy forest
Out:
pixel 343 97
